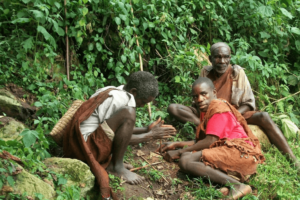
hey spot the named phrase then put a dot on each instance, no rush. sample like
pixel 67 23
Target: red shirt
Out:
pixel 225 125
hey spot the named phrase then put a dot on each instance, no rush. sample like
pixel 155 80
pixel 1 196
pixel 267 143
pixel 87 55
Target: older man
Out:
pixel 104 126
pixel 232 85
pixel 228 147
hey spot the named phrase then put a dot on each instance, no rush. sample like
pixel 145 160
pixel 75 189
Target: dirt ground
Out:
pixel 169 187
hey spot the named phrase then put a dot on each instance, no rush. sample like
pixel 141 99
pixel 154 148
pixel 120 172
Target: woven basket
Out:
pixel 58 131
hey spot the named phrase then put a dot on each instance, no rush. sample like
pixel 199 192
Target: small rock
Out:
pixel 261 136
pixel 11 128
pixel 79 172
pixel 26 182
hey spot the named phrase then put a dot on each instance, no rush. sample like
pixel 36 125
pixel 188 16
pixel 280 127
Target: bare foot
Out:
pixel 127 166
pixel 130 177
pixel 238 191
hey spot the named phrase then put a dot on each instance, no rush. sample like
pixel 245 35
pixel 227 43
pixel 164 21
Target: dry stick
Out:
pixel 281 99
pixel 138 168
pixel 67 44
pixel 155 169
pixel 141 60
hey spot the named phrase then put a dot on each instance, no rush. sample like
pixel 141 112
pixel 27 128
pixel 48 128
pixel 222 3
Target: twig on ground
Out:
pixel 138 168
pixel 155 169
pixel 160 146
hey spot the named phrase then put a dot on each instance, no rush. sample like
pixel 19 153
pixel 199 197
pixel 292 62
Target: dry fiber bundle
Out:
pixel 59 129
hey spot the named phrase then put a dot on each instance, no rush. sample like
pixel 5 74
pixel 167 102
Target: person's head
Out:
pixel 203 92
pixel 143 86
pixel 220 57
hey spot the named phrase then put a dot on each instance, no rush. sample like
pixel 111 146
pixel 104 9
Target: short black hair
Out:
pixel 217 45
pixel 145 84
pixel 206 80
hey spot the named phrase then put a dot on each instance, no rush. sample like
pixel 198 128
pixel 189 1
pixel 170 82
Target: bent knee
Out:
pixel 172 108
pixel 265 117
pixel 184 161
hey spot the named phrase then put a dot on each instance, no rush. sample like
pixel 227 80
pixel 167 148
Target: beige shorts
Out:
pixel 110 133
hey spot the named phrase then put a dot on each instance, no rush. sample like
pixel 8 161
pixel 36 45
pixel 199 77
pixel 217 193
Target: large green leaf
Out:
pixel 10 180
pixel 27 44
pixel 289 128
pixel 118 20
pixel 286 13
pixel 21 20
pixel 29 137
pixel 39 15
pixel 47 36
pixel 264 35
pixel 292 80
pixel 85 11
pixel 265 11
pixel 295 30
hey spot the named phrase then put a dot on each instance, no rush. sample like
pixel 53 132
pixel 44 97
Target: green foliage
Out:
pixel 264 37
pixel 115 182
pixel 200 191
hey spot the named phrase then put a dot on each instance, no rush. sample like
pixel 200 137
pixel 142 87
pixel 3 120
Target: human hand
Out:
pixel 159 130
pixel 172 155
pixel 166 146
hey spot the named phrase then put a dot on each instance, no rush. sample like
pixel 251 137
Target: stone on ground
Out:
pixel 261 136
pixel 26 182
pixel 13 107
pixel 79 173
pixel 10 128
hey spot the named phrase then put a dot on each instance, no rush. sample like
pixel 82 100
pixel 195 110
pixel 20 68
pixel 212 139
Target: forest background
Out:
pixel 264 36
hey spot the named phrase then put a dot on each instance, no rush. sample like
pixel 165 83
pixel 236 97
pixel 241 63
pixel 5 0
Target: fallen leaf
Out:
pixel 186 195
pixel 54 177
pixel 7 188
pixel 17 171
pixel 159 167
pixel 82 185
pixel 159 192
pixel 154 155
pixel 172 191
pixel 140 153
pixel 29 198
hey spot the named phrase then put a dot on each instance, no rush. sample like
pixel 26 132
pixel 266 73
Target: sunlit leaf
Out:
pixel 118 20
pixel 295 30
pixel 85 11
pixel 265 11
pixel 27 44
pixel 286 13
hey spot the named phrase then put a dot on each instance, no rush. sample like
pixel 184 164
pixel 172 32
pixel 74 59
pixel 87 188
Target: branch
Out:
pixel 281 99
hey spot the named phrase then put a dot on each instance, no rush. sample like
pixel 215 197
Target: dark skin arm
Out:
pixel 244 108
pixel 202 144
pixel 156 130
pixel 173 145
